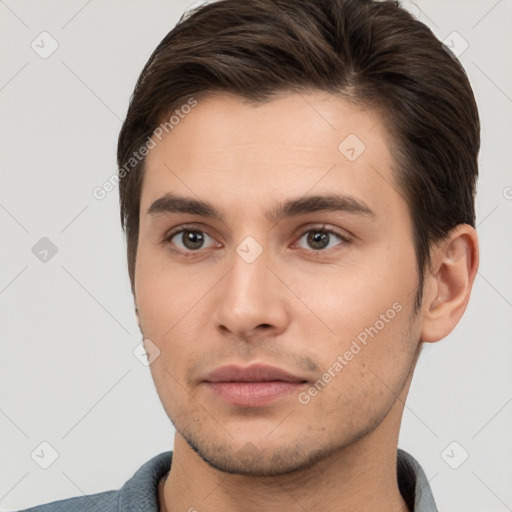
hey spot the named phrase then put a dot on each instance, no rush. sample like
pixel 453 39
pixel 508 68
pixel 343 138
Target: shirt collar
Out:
pixel 141 491
pixel 413 484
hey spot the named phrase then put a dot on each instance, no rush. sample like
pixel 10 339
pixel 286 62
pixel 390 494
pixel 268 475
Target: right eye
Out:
pixel 189 240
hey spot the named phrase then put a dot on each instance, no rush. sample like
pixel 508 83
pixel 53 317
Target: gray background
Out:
pixel 68 373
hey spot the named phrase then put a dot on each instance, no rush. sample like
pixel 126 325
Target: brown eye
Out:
pixel 189 240
pixel 320 239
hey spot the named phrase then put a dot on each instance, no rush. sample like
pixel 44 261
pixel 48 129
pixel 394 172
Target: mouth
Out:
pixel 252 386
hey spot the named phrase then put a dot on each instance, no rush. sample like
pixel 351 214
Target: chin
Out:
pixel 251 460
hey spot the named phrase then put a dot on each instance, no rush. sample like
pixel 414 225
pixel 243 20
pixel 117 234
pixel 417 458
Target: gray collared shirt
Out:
pixel 140 493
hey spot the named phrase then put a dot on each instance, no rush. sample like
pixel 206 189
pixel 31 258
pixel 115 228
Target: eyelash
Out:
pixel 319 229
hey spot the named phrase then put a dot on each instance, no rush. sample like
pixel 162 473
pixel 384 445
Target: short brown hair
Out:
pixel 370 52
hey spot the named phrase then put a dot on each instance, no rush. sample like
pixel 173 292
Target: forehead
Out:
pixel 289 146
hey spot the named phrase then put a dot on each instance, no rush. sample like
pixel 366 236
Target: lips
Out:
pixel 253 386
pixel 253 373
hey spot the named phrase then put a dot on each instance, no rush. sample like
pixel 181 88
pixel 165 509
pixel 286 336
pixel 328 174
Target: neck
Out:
pixel 332 485
pixel 361 476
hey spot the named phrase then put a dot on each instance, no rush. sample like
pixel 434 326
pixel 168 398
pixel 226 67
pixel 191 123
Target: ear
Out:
pixel 448 285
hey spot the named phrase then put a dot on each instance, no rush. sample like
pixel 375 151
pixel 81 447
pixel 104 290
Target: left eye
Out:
pixel 320 239
pixel 191 240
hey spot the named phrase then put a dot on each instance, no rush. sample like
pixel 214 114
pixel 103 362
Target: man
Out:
pixel 297 183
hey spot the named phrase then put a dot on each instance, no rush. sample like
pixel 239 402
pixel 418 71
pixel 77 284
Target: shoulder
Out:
pixel 138 493
pixel 104 501
pixel 413 484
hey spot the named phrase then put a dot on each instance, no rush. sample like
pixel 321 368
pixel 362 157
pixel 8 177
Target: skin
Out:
pixel 296 306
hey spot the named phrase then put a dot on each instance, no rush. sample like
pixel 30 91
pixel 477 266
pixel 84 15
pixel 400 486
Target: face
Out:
pixel 302 259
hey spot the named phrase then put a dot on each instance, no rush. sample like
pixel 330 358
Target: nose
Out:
pixel 251 299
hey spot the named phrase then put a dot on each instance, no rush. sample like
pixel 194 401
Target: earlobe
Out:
pixel 454 267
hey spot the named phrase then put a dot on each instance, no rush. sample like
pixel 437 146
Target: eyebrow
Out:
pixel 173 203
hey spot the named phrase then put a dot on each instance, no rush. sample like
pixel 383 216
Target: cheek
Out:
pixel 364 373
pixel 367 309
pixel 166 293
pixel 347 299
pixel 170 307
pixel 166 312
